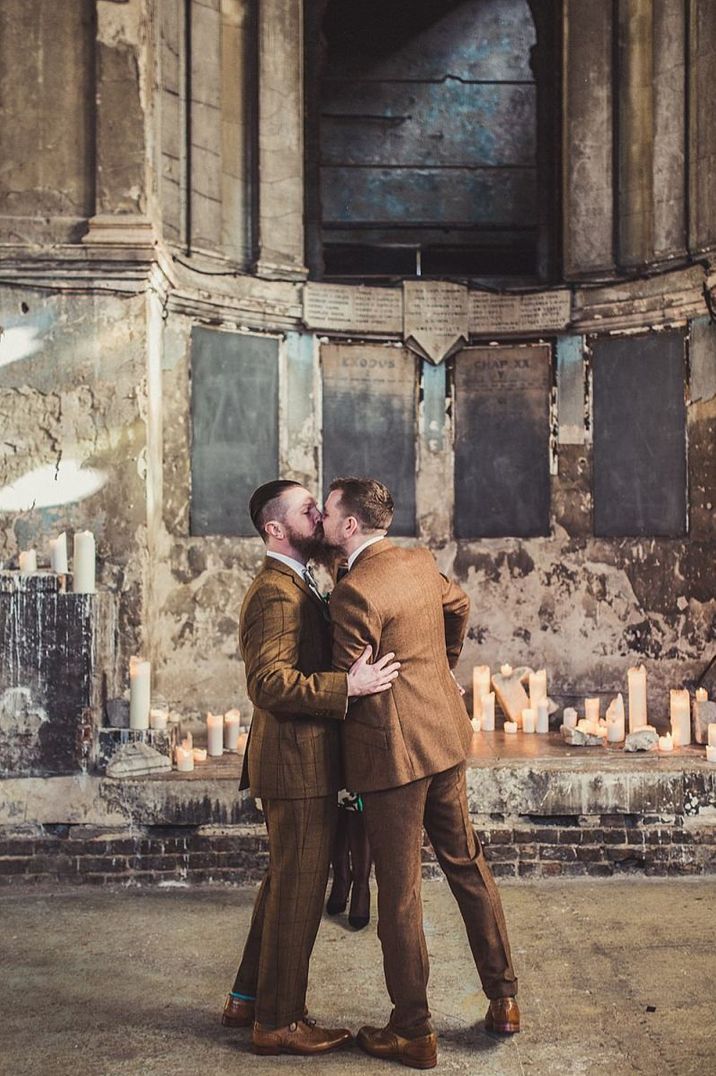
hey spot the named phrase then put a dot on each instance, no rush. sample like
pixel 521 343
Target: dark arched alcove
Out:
pixel 426 133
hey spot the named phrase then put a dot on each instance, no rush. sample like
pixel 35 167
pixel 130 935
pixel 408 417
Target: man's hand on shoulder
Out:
pixel 367 679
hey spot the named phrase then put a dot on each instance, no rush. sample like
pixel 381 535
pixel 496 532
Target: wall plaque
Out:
pixel 352 308
pixel 369 420
pixel 502 483
pixel 435 317
pixel 492 315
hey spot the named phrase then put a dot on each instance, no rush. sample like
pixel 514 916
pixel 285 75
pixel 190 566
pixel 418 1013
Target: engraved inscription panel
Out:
pixel 435 317
pixel 346 308
pixel 502 482
pixel 527 314
pixel 369 420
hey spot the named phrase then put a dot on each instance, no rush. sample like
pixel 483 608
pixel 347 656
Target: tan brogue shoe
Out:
pixel 421 1053
pixel 300 1037
pixel 237 1012
pixel 503 1016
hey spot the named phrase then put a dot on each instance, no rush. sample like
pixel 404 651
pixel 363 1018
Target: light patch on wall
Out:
pixel 51 485
pixel 18 343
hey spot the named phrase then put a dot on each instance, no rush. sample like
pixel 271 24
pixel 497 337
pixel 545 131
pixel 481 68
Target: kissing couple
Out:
pixel 357 692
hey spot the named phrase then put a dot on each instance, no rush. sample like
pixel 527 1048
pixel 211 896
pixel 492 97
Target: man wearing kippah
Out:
pixel 292 762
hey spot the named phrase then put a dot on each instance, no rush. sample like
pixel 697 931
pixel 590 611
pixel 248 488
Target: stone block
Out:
pixel 137 759
pixel 643 739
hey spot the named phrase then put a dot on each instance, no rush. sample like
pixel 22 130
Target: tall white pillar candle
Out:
pixel 542 721
pixel 529 720
pixel 232 728
pixel 140 687
pixel 712 734
pixel 58 554
pixel 480 687
pixel 636 678
pixel 215 734
pixel 488 712
pixel 591 710
pixel 569 717
pixel 615 720
pixel 28 562
pixel 537 687
pixel 710 753
pixel 680 713
pixel 83 563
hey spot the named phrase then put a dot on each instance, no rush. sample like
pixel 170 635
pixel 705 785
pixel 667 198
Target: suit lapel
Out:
pixel 271 564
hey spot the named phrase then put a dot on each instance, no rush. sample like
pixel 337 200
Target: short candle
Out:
pixel 199 754
pixel 529 720
pixel 28 562
pixel 569 717
pixel 58 554
pixel 184 757
pixel 505 670
pixel 158 720
pixel 232 727
pixel 510 727
pixel 711 754
pixel 542 718
pixel 666 743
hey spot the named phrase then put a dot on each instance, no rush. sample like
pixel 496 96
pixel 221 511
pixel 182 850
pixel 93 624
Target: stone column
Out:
pixel 635 90
pixel 588 134
pixel 280 216
pixel 121 125
pixel 702 126
pixel 669 166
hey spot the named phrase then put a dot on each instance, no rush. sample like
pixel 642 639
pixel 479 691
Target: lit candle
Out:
pixel 569 718
pixel 488 712
pixel 542 719
pixel 28 562
pixel 510 727
pixel 243 740
pixel 140 672
pixel 158 720
pixel 529 720
pixel 591 710
pixel 188 742
pixel 199 754
pixel 666 743
pixel 680 713
pixel 232 727
pixel 215 734
pixel 537 687
pixel 480 687
pixel 58 554
pixel 475 722
pixel 615 720
pixel 505 670
pixel 702 694
pixel 83 563
pixel 712 734
pixel 184 757
pixel 637 697
pixel 710 753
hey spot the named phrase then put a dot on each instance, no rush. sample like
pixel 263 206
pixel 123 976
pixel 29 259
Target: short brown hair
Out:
pixel 265 503
pixel 367 499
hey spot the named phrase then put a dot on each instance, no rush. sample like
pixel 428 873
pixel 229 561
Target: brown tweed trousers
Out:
pixel 405 751
pixel 292 762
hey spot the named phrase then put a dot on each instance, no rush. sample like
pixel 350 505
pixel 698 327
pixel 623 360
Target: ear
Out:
pixel 351 526
pixel 274 530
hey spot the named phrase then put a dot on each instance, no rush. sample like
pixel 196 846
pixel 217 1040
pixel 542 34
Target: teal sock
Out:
pixel 242 997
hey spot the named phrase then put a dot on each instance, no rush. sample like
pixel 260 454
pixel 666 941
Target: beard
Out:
pixel 312 547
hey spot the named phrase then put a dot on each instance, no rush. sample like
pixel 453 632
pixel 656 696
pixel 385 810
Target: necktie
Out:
pixel 313 585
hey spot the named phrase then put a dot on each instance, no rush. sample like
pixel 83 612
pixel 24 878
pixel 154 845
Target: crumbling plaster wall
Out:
pixel 73 394
pixel 584 607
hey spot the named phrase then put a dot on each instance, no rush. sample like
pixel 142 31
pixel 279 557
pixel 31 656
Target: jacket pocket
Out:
pixel 366 734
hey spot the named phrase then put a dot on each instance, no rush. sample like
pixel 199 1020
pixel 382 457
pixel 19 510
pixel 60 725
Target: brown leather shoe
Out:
pixel 503 1016
pixel 300 1037
pixel 238 1013
pixel 421 1053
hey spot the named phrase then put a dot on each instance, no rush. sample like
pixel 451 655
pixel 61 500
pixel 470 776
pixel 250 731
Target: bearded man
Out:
pixel 292 762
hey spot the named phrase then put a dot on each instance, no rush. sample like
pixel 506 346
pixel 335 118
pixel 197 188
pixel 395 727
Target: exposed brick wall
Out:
pixel 530 846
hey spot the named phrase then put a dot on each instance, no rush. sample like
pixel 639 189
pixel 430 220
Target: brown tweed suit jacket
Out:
pixel 293 752
pixel 396 599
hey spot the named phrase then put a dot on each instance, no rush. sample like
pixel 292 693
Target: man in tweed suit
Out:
pixel 405 753
pixel 292 762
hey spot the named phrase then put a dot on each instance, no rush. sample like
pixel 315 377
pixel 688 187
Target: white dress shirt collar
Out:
pixel 298 568
pixel 359 550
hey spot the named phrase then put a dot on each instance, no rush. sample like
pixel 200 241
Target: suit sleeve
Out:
pixel 270 651
pixel 456 609
pixel 356 624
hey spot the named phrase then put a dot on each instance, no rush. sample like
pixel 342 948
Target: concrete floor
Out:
pixel 132 982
